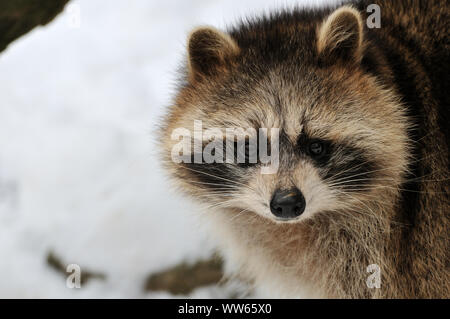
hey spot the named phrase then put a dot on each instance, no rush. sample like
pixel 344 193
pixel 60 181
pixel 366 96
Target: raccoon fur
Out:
pixel 363 175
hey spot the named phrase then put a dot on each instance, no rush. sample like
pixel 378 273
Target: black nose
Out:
pixel 287 204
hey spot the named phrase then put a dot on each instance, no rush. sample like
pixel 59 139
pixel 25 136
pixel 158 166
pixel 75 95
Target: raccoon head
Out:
pixel 299 85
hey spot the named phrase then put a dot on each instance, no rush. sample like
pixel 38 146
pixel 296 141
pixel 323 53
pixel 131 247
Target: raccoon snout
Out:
pixel 287 204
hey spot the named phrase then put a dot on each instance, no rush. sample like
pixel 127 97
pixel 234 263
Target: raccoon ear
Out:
pixel 340 36
pixel 209 52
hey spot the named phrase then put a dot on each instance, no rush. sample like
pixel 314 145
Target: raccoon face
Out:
pixel 335 135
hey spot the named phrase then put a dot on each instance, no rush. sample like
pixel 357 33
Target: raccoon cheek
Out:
pixel 340 36
pixel 210 52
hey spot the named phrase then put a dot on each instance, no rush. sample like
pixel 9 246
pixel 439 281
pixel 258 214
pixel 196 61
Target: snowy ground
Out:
pixel 78 172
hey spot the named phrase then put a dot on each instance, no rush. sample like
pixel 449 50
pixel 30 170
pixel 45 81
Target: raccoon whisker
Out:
pixel 223 189
pixel 332 178
pixel 357 211
pixel 392 221
pixel 426 135
pixel 396 188
pixel 216 207
pixel 346 214
pixel 211 209
pixel 428 156
pixel 219 205
pixel 345 171
pixel 349 180
pixel 364 194
pixel 216 194
pixel 224 204
pixel 372 186
pixel 427 180
pixel 213 189
pixel 214 184
pixel 423 158
pixel 361 188
pixel 238 214
pixel 375 171
pixel 360 201
pixel 222 178
pixel 350 208
pixel 355 187
pixel 374 201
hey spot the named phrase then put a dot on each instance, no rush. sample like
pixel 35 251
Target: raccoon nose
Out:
pixel 287 204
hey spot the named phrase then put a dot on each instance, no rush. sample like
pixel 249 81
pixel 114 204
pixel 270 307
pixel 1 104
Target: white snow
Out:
pixel 78 169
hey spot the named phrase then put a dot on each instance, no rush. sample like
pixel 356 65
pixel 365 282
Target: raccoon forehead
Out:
pixel 334 106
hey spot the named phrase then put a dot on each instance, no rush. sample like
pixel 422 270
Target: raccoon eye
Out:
pixel 317 149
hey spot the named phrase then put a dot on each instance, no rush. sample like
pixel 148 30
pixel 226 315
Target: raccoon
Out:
pixel 362 180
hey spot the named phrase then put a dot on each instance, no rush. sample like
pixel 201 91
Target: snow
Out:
pixel 79 174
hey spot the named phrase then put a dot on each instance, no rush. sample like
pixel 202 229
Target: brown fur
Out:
pixel 378 96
